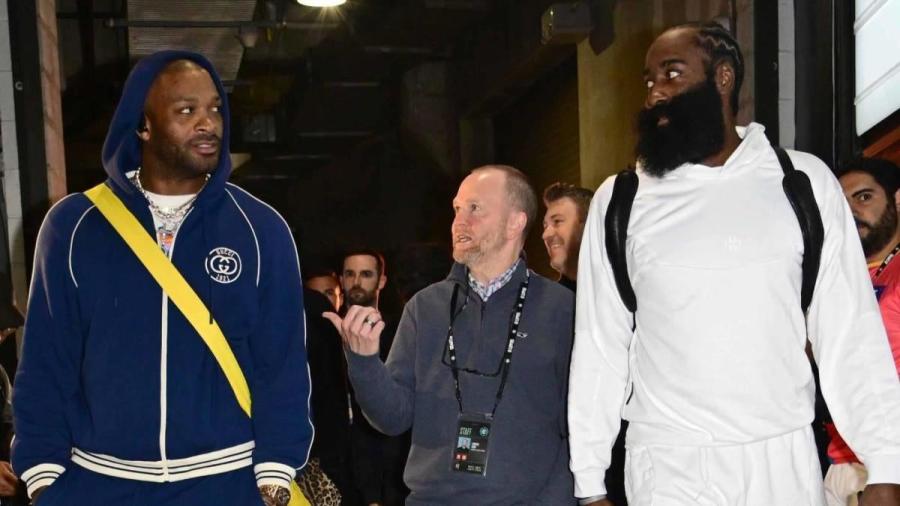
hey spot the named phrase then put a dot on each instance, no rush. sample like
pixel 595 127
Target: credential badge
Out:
pixel 223 265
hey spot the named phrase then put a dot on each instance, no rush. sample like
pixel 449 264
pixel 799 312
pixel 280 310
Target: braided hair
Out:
pixel 720 46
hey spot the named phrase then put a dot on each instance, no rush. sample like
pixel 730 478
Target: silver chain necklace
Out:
pixel 170 217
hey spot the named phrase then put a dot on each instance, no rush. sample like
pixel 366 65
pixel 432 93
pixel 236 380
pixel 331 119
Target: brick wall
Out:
pixel 50 90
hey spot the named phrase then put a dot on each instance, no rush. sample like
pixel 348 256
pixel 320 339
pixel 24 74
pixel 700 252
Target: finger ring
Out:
pixel 372 323
pixel 366 320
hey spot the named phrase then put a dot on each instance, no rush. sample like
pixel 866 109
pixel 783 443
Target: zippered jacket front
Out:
pixel 113 375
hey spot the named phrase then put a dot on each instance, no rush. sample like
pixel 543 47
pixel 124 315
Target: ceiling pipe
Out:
pixel 461 5
pixel 93 14
pixel 178 23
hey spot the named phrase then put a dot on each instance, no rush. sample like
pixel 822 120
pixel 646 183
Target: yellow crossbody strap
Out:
pixel 172 282
pixel 180 292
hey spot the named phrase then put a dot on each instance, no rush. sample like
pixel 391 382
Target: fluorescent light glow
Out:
pixel 322 3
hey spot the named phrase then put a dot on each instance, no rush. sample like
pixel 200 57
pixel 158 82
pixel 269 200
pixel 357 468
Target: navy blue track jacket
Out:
pixel 114 378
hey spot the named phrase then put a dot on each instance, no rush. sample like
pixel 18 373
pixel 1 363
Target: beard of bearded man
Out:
pixel 179 157
pixel 358 296
pixel 695 129
pixel 489 244
pixel 880 232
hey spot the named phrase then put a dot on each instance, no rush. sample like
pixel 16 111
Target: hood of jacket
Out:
pixel 122 147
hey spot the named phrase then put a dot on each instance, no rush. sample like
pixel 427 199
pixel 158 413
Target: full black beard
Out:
pixel 695 131
pixel 880 232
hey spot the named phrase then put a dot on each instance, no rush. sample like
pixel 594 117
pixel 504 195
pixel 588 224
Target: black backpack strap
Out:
pixel 618 212
pixel 800 194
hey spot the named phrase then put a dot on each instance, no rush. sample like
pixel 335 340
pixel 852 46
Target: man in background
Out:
pixel 330 395
pixel 378 459
pixel 872 188
pixel 10 491
pixel 326 282
pixel 567 208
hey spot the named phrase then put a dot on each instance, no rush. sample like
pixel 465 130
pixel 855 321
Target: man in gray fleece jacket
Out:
pixel 486 399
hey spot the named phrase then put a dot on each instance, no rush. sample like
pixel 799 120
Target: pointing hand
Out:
pixel 360 329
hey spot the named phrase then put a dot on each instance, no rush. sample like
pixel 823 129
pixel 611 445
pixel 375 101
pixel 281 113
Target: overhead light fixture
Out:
pixel 321 3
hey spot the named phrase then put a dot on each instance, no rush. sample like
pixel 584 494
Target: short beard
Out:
pixel 469 257
pixel 489 245
pixel 178 157
pixel 880 233
pixel 363 298
pixel 694 132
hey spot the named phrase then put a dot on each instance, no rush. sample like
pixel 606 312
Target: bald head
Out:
pixel 162 87
pixel 180 65
pixel 519 193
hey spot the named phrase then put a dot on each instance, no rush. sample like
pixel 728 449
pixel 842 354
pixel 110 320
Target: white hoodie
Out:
pixel 717 357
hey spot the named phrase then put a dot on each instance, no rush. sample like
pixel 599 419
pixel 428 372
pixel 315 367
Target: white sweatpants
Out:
pixel 781 471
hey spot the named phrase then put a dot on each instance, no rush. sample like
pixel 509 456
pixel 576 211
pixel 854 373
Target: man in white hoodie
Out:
pixel 710 370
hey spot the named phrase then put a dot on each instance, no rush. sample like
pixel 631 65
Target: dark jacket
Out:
pixel 330 405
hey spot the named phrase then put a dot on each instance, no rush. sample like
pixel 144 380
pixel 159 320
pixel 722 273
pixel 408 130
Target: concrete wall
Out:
pixel 610 88
pixel 10 165
pixel 786 74
pixel 53 132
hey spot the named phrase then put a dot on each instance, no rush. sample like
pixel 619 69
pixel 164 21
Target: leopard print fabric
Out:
pixel 317 486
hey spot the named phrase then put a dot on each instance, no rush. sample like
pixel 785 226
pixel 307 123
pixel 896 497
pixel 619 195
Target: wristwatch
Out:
pixel 273 495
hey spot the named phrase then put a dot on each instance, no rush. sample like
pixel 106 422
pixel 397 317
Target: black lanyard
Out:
pixel 886 261
pixel 506 360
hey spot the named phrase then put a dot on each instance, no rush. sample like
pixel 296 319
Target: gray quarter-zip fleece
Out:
pixel 529 455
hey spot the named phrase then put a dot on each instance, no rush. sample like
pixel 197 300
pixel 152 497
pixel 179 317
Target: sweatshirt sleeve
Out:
pixel 599 369
pixel 858 378
pixel 386 391
pixel 280 385
pixel 48 377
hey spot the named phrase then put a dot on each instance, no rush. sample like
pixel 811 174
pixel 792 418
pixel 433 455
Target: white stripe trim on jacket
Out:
pixel 161 471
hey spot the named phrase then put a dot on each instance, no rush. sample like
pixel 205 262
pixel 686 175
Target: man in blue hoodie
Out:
pixel 117 399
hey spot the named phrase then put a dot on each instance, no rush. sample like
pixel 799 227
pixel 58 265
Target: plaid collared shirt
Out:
pixel 486 290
